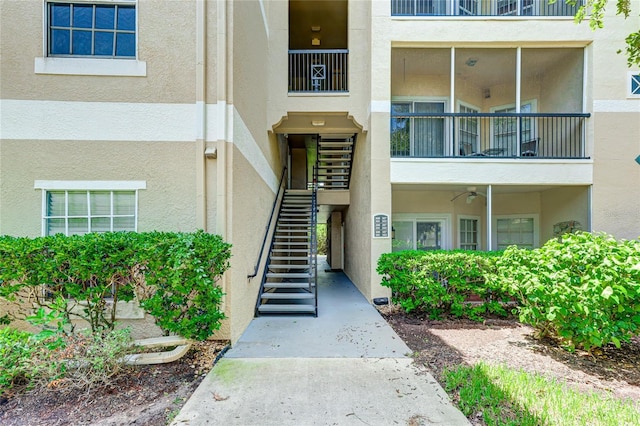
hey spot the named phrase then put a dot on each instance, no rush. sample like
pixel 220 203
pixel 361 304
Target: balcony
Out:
pixel 318 71
pixel 488 135
pixel 482 8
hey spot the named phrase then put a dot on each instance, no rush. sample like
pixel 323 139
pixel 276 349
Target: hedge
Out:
pixel 443 282
pixel 173 276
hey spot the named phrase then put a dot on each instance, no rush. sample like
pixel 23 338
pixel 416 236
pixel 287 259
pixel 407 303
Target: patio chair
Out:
pixel 529 148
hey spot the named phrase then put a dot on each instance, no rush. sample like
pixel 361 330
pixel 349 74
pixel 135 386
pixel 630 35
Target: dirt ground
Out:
pixel 153 395
pixel 144 395
pixel 444 344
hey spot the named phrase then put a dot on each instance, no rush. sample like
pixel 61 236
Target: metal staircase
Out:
pixel 335 156
pixel 289 282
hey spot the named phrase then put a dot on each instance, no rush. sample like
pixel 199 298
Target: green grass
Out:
pixel 505 396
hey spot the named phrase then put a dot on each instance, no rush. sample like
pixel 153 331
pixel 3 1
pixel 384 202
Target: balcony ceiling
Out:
pixel 492 66
pixel 325 20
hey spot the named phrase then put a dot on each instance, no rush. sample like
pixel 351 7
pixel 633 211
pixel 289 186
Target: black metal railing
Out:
pixel 276 202
pixel 486 135
pixel 483 8
pixel 318 70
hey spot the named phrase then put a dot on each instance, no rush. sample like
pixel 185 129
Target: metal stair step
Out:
pixel 303 295
pixel 305 275
pixel 287 285
pixel 282 308
pixel 289 266
pixel 291 258
pixel 322 151
pixel 334 144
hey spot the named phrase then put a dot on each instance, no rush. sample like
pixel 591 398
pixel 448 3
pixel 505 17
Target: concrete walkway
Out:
pixel 345 367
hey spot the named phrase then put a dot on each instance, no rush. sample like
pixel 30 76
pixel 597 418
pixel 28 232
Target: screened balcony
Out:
pixel 486 135
pixel 483 8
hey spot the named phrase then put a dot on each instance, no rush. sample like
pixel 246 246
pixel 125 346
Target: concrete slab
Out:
pixel 347 326
pixel 345 367
pixel 335 391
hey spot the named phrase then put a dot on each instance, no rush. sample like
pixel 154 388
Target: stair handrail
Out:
pixel 268 227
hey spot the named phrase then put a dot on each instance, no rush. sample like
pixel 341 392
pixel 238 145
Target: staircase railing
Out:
pixel 313 252
pixel 268 227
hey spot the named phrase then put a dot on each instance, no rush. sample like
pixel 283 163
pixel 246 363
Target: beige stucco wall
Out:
pixel 355 102
pixel 616 202
pixel 252 184
pixel 167 168
pixel 357 218
pixel 561 205
pixel 170 57
pixel 251 200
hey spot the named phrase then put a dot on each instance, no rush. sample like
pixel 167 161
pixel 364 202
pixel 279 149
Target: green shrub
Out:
pixel 60 361
pixel 182 273
pixel 583 289
pixel 441 282
pixel 173 275
pixel 15 351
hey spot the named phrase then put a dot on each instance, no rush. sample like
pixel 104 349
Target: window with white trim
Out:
pixel 93 29
pixel 469 233
pixel 418 136
pixel 518 230
pixel 77 212
pixel 505 129
pixel 469 130
pixel 420 232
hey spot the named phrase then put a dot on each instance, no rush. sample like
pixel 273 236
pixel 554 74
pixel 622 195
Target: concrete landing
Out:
pixel 345 367
pixel 335 391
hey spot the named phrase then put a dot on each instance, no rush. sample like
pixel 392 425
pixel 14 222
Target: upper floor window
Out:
pixel 91 29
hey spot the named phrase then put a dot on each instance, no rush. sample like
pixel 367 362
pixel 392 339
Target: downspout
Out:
pixel 201 114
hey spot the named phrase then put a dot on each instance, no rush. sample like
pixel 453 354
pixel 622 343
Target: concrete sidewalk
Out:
pixel 345 367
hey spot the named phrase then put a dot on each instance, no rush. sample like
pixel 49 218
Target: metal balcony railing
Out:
pixel 318 70
pixel 486 135
pixel 483 8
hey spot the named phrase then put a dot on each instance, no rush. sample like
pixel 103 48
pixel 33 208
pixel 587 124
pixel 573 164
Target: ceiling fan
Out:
pixel 471 193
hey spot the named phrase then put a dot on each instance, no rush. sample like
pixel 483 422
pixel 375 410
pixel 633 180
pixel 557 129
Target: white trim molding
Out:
pixel 90 185
pixel 91 66
pixel 616 105
pixel 97 121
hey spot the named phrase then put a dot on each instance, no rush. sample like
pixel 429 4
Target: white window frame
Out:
pixel 462 104
pixel 521 7
pixel 129 67
pixel 534 130
pixel 88 187
pixel 536 227
pixel 426 99
pixel 459 8
pixel 414 218
pixel 478 230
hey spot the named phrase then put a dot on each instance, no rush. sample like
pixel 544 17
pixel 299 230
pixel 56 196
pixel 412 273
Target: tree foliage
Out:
pixel 594 10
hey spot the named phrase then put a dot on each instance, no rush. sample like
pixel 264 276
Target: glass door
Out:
pixel 429 235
